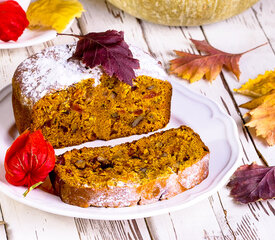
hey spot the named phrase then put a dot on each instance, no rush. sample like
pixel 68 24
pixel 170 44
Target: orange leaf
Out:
pixel 193 67
pixel 262 119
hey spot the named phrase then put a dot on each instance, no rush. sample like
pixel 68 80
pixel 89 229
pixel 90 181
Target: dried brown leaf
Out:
pixel 193 67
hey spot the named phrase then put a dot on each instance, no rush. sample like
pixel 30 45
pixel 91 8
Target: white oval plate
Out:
pixel 31 37
pixel 217 130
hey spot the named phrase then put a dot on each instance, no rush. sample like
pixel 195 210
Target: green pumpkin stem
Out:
pixel 31 188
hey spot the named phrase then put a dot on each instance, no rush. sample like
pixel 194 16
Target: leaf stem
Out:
pixel 70 35
pixel 255 48
pixel 31 188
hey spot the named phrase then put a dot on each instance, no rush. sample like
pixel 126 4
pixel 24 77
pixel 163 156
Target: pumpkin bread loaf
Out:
pixel 73 104
pixel 145 171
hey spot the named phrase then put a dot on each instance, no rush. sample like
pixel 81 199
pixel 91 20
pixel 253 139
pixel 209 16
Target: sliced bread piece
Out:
pixel 145 171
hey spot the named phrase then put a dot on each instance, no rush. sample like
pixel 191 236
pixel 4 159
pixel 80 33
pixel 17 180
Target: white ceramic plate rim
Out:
pixel 40 36
pixel 218 182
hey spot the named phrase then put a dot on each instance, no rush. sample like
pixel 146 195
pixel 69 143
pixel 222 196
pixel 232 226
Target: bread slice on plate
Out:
pixel 145 171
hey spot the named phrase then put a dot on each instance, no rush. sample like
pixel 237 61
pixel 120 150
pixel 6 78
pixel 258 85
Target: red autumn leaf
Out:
pixel 29 159
pixel 194 67
pixel 253 182
pixel 13 20
pixel 109 50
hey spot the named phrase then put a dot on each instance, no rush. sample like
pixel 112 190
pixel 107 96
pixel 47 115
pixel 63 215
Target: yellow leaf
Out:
pixel 53 14
pixel 263 119
pixel 259 86
pixel 256 102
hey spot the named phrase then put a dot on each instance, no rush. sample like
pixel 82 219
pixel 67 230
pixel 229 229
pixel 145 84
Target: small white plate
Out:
pixel 216 128
pixel 31 37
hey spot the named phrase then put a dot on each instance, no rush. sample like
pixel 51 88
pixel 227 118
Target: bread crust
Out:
pixel 22 114
pixel 131 195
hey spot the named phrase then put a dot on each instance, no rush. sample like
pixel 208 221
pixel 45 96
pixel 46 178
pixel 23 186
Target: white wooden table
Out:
pixel 217 217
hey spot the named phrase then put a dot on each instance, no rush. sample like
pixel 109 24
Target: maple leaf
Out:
pixel 259 86
pixel 253 182
pixel 109 50
pixel 193 67
pixel 263 119
pixel 55 14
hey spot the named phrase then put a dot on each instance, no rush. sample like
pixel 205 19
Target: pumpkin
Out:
pixel 183 12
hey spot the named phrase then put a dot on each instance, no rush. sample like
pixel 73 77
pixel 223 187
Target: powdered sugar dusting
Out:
pixel 50 71
pixel 148 65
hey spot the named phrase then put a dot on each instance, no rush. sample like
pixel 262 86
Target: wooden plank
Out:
pixel 3 226
pixel 9 60
pixel 265 14
pixel 195 222
pixel 248 221
pixel 97 229
pixel 162 227
pixel 24 222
